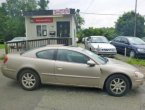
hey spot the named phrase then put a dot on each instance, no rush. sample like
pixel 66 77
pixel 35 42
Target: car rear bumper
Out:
pixel 8 72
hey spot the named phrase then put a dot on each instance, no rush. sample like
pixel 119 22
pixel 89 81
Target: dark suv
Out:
pixel 134 46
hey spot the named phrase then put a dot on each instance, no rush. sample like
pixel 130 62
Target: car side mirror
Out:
pixel 91 63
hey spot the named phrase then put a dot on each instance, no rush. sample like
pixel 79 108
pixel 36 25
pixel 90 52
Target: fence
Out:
pixel 20 46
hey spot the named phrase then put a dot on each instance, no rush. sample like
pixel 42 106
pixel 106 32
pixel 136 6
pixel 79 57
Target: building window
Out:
pixel 41 30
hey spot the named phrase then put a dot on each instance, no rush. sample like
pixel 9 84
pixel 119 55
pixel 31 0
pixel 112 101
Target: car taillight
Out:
pixel 5 59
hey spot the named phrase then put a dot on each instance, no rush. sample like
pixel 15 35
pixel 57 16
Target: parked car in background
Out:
pixel 84 39
pixel 17 42
pixel 75 66
pixel 132 46
pixel 100 45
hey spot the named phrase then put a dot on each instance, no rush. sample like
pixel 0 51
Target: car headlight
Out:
pixel 139 75
pixel 141 50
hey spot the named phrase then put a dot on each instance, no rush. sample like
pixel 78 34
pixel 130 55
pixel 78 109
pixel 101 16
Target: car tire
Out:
pixel 29 80
pixel 132 54
pixel 90 49
pixel 117 85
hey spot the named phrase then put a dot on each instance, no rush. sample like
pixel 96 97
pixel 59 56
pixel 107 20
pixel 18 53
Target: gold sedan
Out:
pixel 74 66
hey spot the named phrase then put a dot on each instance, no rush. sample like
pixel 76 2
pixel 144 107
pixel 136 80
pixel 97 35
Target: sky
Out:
pixel 115 7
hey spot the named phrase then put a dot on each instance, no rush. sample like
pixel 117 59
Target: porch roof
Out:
pixel 47 12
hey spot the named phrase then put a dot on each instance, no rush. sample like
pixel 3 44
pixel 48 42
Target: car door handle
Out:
pixel 59 68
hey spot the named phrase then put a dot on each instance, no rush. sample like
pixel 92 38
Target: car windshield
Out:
pixel 98 58
pixel 99 40
pixel 136 41
pixel 18 38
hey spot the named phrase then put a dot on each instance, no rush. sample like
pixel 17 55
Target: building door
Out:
pixel 63 29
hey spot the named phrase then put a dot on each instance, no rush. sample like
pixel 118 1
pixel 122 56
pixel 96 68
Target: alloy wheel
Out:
pixel 28 80
pixel 118 86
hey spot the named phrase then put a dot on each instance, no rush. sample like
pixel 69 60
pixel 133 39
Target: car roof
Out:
pixel 54 47
pixel 128 36
pixel 97 36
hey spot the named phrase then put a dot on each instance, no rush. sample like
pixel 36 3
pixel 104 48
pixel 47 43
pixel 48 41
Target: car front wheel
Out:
pixel 29 80
pixel 117 85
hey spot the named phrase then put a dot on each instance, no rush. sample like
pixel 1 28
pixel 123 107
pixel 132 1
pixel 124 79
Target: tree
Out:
pixel 125 24
pixel 43 4
pixel 15 22
pixel 80 20
pixel 17 7
pixel 3 19
pixel 110 33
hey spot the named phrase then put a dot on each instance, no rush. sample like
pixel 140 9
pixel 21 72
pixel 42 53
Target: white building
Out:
pixel 51 24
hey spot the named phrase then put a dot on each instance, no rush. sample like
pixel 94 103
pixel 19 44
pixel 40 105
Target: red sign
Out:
pixel 61 12
pixel 42 20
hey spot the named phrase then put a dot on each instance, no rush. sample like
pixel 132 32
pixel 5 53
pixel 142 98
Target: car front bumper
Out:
pixel 141 55
pixel 137 82
pixel 106 53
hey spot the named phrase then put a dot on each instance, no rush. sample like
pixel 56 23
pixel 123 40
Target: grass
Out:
pixel 132 61
pixel 2 57
pixel 139 62
pixel 2 46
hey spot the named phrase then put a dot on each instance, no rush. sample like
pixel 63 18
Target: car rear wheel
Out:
pixel 29 80
pixel 117 85
pixel 132 54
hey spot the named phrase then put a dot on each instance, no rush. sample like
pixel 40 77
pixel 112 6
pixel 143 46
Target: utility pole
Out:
pixel 135 18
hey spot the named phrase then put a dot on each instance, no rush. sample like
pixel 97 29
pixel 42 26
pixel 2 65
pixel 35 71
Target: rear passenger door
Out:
pixel 45 64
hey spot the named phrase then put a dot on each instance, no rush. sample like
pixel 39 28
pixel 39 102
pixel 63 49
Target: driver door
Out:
pixel 71 69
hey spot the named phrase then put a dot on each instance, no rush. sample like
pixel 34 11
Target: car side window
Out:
pixel 71 56
pixel 46 54
pixel 88 39
pixel 124 40
pixel 118 39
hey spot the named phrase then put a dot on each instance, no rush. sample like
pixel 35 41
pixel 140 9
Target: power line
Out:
pixel 100 14
pixel 89 5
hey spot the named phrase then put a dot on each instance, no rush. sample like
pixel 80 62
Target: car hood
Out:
pixel 121 64
pixel 103 45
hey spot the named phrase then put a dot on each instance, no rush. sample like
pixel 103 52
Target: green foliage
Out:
pixel 12 23
pixel 125 25
pixel 2 46
pixel 2 57
pixel 3 19
pixel 15 27
pixel 107 32
pixel 80 20
pixel 43 4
